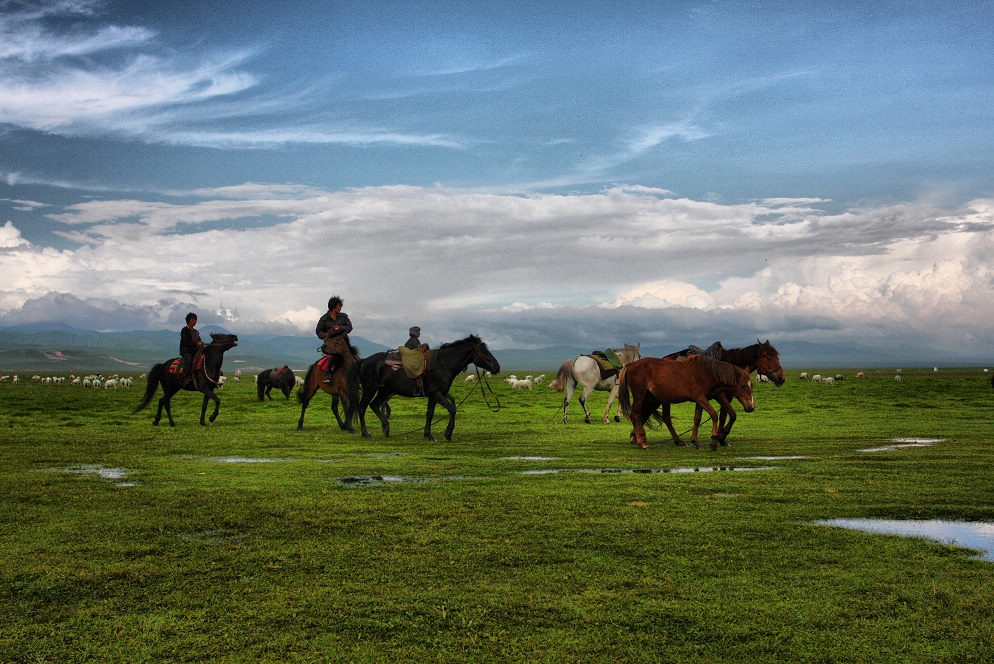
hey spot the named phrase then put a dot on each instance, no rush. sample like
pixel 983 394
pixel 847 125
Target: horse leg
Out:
pixel 611 396
pixel 583 402
pixel 726 409
pixel 304 396
pixel 571 385
pixel 450 405
pixel 379 406
pixel 668 421
pixel 703 403
pixel 217 406
pixel 158 413
pixel 638 427
pixel 697 423
pixel 429 415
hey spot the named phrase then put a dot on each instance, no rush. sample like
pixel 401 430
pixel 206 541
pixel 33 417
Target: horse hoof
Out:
pixel 644 446
pixel 587 420
pixel 679 443
pixel 617 418
pixel 698 445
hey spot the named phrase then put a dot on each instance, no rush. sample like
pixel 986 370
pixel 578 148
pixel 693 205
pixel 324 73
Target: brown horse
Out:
pixel 655 383
pixel 342 354
pixel 760 357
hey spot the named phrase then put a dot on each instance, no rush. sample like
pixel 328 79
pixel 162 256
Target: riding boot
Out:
pixel 329 372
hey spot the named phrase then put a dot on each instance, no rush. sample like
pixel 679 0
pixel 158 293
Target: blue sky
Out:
pixel 538 173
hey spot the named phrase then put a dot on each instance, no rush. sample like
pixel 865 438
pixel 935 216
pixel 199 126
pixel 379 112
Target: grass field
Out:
pixel 249 541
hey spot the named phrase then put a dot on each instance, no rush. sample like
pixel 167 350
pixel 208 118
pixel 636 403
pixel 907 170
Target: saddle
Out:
pixel 414 360
pixel 608 362
pixel 176 365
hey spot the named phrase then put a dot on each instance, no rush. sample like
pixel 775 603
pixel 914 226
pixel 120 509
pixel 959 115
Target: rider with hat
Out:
pixel 189 344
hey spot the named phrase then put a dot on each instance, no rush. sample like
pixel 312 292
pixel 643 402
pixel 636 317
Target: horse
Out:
pixel 760 357
pixel 656 383
pixel 586 371
pixel 203 378
pixel 282 379
pixel 377 382
pixel 344 356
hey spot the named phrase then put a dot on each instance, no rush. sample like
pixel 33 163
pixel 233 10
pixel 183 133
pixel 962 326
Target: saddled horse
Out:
pixel 338 350
pixel 655 383
pixel 760 357
pixel 203 378
pixel 587 372
pixel 372 382
pixel 282 379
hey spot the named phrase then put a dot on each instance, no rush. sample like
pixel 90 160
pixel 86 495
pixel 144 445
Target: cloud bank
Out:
pixel 624 264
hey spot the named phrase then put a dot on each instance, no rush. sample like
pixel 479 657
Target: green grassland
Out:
pixel 248 541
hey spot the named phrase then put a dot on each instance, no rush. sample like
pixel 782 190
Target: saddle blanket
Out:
pixel 323 363
pixel 176 365
pixel 414 360
pixel 607 358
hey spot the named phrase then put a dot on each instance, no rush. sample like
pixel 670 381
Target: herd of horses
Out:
pixel 645 387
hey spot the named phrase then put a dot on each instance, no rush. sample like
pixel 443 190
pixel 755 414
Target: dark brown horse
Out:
pixel 203 378
pixel 344 356
pixel 655 383
pixel 282 379
pixel 760 357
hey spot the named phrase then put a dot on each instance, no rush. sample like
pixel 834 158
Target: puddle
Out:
pixel 903 443
pixel 380 480
pixel 237 459
pixel 530 458
pixel 978 536
pixel 771 458
pixel 99 471
pixel 644 471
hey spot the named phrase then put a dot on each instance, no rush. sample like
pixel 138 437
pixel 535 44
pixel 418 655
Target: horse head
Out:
pixel 629 353
pixel 482 357
pixel 768 363
pixel 224 341
pixel 335 346
pixel 743 390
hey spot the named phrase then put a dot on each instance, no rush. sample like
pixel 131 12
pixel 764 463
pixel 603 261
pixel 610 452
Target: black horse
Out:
pixel 282 379
pixel 203 378
pixel 377 382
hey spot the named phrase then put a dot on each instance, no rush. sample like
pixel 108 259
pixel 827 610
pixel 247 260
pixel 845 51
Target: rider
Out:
pixel 333 324
pixel 189 344
pixel 414 341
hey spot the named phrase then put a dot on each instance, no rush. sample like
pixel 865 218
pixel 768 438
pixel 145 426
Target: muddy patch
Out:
pixel 962 534
pixel 238 459
pixel 772 458
pixel 383 480
pixel 645 471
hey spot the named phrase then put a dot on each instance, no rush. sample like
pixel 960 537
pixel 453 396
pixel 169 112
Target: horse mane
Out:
pixel 723 372
pixel 471 339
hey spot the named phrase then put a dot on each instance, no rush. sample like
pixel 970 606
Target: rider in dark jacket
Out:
pixel 333 324
pixel 189 344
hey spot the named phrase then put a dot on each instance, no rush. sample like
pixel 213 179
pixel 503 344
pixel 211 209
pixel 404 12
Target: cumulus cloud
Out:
pixel 525 270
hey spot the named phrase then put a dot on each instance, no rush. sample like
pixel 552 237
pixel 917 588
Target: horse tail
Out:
pixel 260 384
pixel 565 373
pixel 305 392
pixel 150 387
pixel 623 397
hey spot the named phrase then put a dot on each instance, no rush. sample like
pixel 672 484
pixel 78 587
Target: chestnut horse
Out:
pixel 655 383
pixel 760 357
pixel 343 355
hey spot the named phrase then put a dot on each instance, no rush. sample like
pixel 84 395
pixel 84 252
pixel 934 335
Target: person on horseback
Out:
pixel 333 324
pixel 189 344
pixel 414 341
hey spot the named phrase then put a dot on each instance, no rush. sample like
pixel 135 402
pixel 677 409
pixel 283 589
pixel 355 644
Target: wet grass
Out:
pixel 214 555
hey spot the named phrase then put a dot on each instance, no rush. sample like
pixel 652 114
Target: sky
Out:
pixel 538 173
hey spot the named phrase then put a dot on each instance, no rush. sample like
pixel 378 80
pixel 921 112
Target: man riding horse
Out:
pixel 331 325
pixel 189 345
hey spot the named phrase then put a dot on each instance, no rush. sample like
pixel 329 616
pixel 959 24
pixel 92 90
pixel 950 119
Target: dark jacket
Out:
pixel 188 340
pixel 332 327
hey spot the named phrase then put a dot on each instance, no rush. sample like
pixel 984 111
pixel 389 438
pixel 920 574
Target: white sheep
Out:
pixel 897 379
pixel 471 378
pixel 803 376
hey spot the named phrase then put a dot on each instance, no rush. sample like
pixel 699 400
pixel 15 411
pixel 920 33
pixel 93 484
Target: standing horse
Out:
pixel 344 356
pixel 200 379
pixel 760 357
pixel 586 371
pixel 282 379
pixel 656 383
pixel 378 382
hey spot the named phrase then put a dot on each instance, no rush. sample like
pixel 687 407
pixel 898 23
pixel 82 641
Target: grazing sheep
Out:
pixel 860 375
pixel 816 378
pixel 803 376
pixel 471 378
pixel 109 383
pixel 521 384
pixel 897 379
pixel 15 380
pixel 539 378
pixel 829 381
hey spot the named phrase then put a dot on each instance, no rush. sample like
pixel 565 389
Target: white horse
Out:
pixel 586 371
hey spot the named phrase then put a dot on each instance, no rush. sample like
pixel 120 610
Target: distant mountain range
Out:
pixel 58 347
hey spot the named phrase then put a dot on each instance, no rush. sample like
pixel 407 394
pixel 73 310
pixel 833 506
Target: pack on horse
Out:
pixel 760 357
pixel 338 350
pixel 656 383
pixel 372 381
pixel 593 373
pixel 282 379
pixel 203 377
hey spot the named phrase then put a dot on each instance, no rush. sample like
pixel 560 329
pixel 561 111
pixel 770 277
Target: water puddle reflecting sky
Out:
pixel 646 471
pixel 903 443
pixel 978 536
